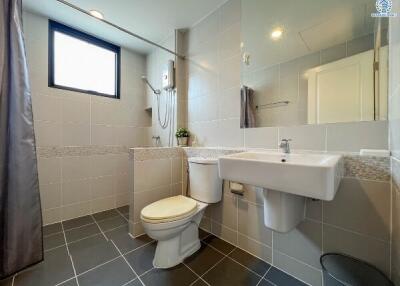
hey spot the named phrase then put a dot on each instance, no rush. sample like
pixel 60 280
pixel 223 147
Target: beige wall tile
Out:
pixel 50 196
pixel 358 135
pixel 267 137
pixel 303 243
pixel 361 206
pixel 371 250
pixel 47 133
pixel 76 191
pixel 295 268
pixel 224 232
pixel 102 187
pixel 256 248
pixel 49 170
pixel 75 134
pixel 256 229
pixel 307 137
pixel 225 212
pixel 75 210
pixel 158 170
pixel 51 216
pixel 121 183
pixel 102 165
pixel 75 168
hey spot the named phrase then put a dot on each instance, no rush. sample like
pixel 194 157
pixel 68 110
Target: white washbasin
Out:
pixel 310 175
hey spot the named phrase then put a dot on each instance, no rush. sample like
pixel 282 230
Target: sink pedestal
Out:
pixel 282 211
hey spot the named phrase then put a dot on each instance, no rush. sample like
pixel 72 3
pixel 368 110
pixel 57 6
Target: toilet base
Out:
pixel 172 252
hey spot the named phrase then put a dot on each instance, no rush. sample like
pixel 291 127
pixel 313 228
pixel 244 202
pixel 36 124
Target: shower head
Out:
pixel 155 91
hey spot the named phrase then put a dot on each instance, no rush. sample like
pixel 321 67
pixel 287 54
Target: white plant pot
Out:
pixel 182 141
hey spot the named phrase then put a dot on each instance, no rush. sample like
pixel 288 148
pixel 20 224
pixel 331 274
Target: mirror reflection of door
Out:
pixel 314 62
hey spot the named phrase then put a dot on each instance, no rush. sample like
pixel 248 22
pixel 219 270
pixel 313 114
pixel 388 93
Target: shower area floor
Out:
pixel 97 250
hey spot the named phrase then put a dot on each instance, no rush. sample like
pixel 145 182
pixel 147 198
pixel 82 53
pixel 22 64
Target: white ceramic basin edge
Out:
pixel 310 175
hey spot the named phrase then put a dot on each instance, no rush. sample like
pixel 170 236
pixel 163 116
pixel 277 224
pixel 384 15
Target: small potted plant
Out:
pixel 182 135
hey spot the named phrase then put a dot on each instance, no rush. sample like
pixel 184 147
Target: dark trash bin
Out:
pixel 343 270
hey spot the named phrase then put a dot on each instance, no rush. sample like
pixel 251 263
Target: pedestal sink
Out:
pixel 287 179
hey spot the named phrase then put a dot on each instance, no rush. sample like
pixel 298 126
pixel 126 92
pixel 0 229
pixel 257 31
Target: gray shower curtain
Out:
pixel 20 212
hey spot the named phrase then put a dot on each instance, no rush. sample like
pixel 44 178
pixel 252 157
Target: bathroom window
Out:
pixel 83 63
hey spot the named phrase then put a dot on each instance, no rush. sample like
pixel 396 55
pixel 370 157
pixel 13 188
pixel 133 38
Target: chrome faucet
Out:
pixel 285 146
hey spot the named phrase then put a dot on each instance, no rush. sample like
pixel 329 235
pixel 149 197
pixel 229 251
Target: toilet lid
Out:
pixel 169 209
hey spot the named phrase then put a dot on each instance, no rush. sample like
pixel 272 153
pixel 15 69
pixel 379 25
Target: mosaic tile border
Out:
pixel 155 153
pixel 71 151
pixel 396 173
pixel 367 167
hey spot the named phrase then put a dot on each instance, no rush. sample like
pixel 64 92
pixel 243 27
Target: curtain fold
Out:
pixel 247 114
pixel 21 242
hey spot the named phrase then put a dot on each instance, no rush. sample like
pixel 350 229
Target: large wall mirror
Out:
pixel 313 62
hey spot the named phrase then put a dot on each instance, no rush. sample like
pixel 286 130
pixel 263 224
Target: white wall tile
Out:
pixel 357 135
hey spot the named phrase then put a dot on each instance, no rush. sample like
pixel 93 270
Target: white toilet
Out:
pixel 174 221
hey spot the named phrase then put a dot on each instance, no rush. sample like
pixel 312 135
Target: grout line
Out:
pixel 99 228
pixel 99 265
pixel 227 255
pixel 129 282
pixel 265 274
pixel 73 278
pixel 219 261
pixel 144 245
pixel 147 271
pixel 74 228
pixel 122 215
pixel 70 256
pixel 126 261
pixel 198 276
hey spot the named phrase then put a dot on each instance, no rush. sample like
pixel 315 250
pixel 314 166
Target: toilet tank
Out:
pixel 205 184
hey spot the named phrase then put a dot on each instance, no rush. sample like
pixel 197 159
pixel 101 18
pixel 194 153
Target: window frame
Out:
pixel 58 27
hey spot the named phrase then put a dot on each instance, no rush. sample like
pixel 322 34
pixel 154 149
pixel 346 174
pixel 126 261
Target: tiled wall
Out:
pixel 74 185
pixel 394 119
pixel 213 72
pixel 155 173
pixel 287 81
pixel 356 222
pixel 156 62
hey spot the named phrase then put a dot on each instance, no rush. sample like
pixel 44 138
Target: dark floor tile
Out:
pixel 55 269
pixel 6 282
pixel 178 275
pixel 82 232
pixel 219 244
pixel 53 241
pixel 71 282
pixel 126 216
pixel 90 252
pixel 135 282
pixel 123 210
pixel 77 222
pixel 199 282
pixel 124 241
pixel 250 261
pixel 230 273
pixel 281 278
pixel 203 259
pixel 111 223
pixel 52 229
pixel 116 273
pixel 141 259
pixel 105 215
pixel 264 282
pixel 203 234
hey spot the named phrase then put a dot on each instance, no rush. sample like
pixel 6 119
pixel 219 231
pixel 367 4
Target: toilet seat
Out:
pixel 169 209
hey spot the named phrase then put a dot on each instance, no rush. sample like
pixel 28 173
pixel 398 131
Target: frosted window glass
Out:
pixel 81 65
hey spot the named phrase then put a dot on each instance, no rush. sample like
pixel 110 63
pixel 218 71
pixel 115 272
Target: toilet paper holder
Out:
pixel 236 188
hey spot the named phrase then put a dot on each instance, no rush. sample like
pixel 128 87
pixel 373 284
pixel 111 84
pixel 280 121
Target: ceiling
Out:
pixel 151 19
pixel 309 26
